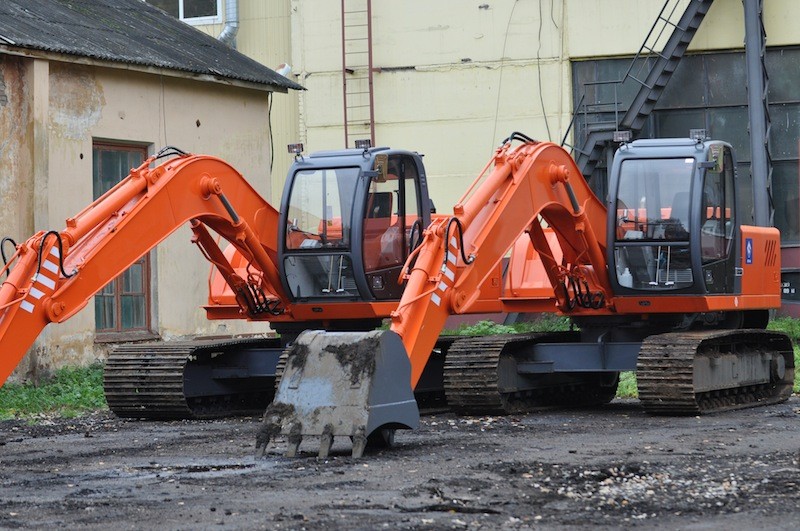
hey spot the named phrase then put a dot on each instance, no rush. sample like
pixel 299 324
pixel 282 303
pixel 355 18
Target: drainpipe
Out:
pixel 228 35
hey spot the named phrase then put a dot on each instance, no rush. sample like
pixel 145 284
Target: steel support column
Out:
pixel 755 39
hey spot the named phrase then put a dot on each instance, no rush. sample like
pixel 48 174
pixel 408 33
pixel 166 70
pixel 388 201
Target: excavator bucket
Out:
pixel 354 384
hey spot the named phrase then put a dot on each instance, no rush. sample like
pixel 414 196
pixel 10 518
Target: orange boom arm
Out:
pixel 53 275
pixel 518 186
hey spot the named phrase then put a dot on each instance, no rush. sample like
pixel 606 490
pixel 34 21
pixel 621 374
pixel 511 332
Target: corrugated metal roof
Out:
pixel 126 31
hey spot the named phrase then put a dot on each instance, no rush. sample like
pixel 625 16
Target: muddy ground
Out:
pixel 611 467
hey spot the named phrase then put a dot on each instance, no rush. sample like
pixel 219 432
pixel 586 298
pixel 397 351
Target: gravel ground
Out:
pixel 609 467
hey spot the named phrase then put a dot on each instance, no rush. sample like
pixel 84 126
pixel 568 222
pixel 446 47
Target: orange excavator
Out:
pixel 668 278
pixel 328 259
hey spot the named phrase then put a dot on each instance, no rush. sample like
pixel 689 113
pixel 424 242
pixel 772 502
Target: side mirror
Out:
pixel 381 166
pixel 714 162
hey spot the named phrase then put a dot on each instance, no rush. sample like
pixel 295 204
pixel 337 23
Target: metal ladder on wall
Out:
pixel 601 121
pixel 357 87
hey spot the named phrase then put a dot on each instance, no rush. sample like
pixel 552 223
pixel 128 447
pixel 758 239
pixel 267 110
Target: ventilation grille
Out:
pixel 771 253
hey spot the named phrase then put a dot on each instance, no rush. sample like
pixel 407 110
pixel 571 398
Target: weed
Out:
pixel 71 392
pixel 546 323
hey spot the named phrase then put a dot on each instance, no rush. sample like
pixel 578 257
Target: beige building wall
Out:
pixel 54 113
pixel 265 31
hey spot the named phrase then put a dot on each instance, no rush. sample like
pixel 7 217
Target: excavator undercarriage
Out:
pixel 202 378
pixel 692 373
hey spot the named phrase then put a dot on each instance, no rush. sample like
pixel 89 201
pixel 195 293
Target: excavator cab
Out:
pixel 676 217
pixel 350 219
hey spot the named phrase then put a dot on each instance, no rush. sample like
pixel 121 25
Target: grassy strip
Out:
pixel 790 327
pixel 71 392
pixel 74 391
pixel 548 323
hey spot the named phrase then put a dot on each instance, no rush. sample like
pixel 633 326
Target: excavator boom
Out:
pixel 53 275
pixel 520 188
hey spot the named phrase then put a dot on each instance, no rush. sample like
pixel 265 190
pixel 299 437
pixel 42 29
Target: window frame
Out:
pixel 200 21
pixel 117 333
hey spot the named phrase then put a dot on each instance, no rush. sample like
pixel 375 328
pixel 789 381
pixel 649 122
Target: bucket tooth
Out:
pixel 325 441
pixel 261 449
pixel 347 384
pixel 270 428
pixel 295 438
pixel 359 442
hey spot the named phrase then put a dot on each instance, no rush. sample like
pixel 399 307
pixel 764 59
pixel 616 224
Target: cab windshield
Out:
pixel 653 224
pixel 653 199
pixel 320 209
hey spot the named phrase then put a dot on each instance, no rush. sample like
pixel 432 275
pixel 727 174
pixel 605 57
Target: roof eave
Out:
pixel 171 72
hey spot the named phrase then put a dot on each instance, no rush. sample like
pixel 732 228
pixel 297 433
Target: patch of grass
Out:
pixel 71 392
pixel 790 327
pixel 627 385
pixel 546 323
pixel 787 325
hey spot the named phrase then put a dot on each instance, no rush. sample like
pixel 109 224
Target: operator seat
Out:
pixel 679 214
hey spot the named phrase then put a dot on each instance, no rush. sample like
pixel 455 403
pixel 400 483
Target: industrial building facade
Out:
pixel 451 79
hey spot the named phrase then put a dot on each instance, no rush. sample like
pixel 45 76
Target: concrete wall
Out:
pixel 265 33
pixel 50 115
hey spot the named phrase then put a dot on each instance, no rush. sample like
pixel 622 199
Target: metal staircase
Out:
pixel 598 123
pixel 359 109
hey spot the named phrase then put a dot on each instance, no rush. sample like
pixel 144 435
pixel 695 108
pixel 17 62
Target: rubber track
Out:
pixel 471 373
pixel 665 372
pixel 145 380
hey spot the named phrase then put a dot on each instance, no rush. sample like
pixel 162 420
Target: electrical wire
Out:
pixel 163 116
pixel 552 17
pixel 269 129
pixel 502 60
pixel 3 252
pixel 539 72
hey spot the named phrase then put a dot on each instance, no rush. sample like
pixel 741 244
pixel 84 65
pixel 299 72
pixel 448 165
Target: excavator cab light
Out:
pixel 297 149
pixel 622 136
pixel 698 135
pixel 364 144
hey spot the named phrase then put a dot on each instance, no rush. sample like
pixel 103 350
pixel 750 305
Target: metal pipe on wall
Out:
pixel 228 34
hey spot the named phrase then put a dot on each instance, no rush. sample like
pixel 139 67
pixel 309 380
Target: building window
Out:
pixel 708 90
pixel 123 305
pixel 192 11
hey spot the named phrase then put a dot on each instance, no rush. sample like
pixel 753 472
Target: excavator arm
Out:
pixel 53 275
pixel 360 384
pixel 520 187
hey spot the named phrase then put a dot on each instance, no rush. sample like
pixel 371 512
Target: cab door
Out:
pixel 392 225
pixel 717 227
